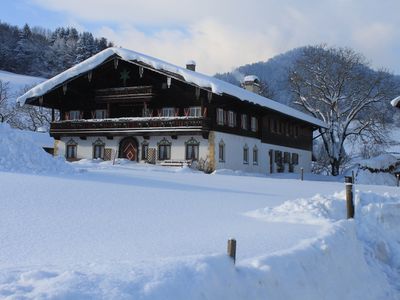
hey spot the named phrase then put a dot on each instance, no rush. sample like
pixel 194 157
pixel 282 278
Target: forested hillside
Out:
pixel 41 52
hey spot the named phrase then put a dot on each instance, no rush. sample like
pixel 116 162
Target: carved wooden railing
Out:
pixel 134 123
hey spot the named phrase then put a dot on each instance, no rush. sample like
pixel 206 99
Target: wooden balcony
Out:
pixel 131 126
pixel 124 94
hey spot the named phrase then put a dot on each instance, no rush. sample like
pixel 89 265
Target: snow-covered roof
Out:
pixel 203 81
pixel 395 102
pixel 191 62
pixel 251 78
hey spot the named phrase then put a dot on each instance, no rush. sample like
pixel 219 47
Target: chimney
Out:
pixel 252 84
pixel 191 65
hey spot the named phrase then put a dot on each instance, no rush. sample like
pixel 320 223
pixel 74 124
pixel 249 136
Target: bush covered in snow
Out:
pixel 377 170
pixel 18 153
pixel 380 163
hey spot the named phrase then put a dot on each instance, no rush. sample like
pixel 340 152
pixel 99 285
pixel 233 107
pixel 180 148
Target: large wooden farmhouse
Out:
pixel 126 104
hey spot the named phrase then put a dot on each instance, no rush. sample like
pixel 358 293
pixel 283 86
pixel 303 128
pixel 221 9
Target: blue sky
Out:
pixel 220 35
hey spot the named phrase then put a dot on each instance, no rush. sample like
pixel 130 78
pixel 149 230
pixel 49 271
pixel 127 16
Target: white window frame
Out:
pixel 244 120
pixel 195 111
pixel 168 111
pixel 74 114
pixel 100 114
pixel 220 116
pixel 231 118
pixel 254 124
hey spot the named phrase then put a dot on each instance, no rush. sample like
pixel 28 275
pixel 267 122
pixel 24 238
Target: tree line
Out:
pixel 40 52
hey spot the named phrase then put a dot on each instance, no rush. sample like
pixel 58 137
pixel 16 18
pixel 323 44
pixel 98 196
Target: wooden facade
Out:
pixel 127 90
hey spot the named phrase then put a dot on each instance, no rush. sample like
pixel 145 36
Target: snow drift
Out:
pixel 19 153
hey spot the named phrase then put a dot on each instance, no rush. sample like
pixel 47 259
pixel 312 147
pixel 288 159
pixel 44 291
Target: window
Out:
pixel 98 149
pixel 245 154
pixel 244 121
pixel 286 157
pixel 195 111
pixel 221 151
pixel 279 161
pixel 168 112
pixel 278 157
pixel 296 131
pixel 164 149
pixel 192 149
pixel 295 159
pixel 100 114
pixel 255 155
pixel 71 150
pixel 220 116
pixel 254 124
pixel 74 115
pixel 146 112
pixel 231 119
pixel 145 150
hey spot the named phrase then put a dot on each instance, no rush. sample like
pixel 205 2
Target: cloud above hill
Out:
pixel 222 34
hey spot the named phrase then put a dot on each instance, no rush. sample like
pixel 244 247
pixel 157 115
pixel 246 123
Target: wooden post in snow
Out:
pixel 398 179
pixel 232 249
pixel 302 174
pixel 349 196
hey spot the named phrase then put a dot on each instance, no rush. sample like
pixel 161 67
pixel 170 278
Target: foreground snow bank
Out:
pixel 19 153
pixel 331 266
pixel 376 228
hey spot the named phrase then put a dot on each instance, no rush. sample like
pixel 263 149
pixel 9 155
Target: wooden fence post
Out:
pixel 398 179
pixel 349 196
pixel 302 174
pixel 232 249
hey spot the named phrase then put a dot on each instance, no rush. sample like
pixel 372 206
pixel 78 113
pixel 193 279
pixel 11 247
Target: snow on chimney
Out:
pixel 191 65
pixel 252 84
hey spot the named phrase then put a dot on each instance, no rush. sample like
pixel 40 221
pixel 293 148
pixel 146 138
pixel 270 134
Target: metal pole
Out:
pixel 232 249
pixel 349 196
pixel 302 174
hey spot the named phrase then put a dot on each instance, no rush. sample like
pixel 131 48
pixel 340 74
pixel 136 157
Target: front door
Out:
pixel 128 149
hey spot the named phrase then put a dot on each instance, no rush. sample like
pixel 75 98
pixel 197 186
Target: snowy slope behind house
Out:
pixel 17 83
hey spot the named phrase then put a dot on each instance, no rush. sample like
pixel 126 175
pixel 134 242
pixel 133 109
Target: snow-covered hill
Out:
pixel 136 231
pixel 18 82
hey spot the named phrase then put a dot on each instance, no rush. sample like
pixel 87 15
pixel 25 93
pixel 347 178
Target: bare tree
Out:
pixel 336 86
pixel 7 110
pixel 28 117
pixel 25 117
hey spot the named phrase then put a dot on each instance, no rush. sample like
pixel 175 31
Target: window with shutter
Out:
pixel 192 149
pixel 255 155
pixel 245 154
pixel 221 151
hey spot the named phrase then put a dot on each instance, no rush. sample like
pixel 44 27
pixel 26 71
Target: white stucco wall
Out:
pixel 233 150
pixel 85 147
pixel 234 145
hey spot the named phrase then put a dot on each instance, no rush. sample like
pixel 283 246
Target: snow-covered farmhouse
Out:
pixel 126 104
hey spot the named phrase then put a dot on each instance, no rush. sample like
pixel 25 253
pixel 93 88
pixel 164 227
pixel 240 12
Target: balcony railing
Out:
pixel 131 125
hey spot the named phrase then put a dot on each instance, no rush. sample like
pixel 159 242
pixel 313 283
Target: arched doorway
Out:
pixel 128 148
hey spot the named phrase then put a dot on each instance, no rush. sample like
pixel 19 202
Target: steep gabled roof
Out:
pixel 203 81
pixel 395 102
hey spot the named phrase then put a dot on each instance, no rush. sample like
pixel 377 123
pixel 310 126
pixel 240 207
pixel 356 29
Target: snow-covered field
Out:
pixel 92 230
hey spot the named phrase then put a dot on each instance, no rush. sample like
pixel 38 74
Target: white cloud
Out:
pixel 222 34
